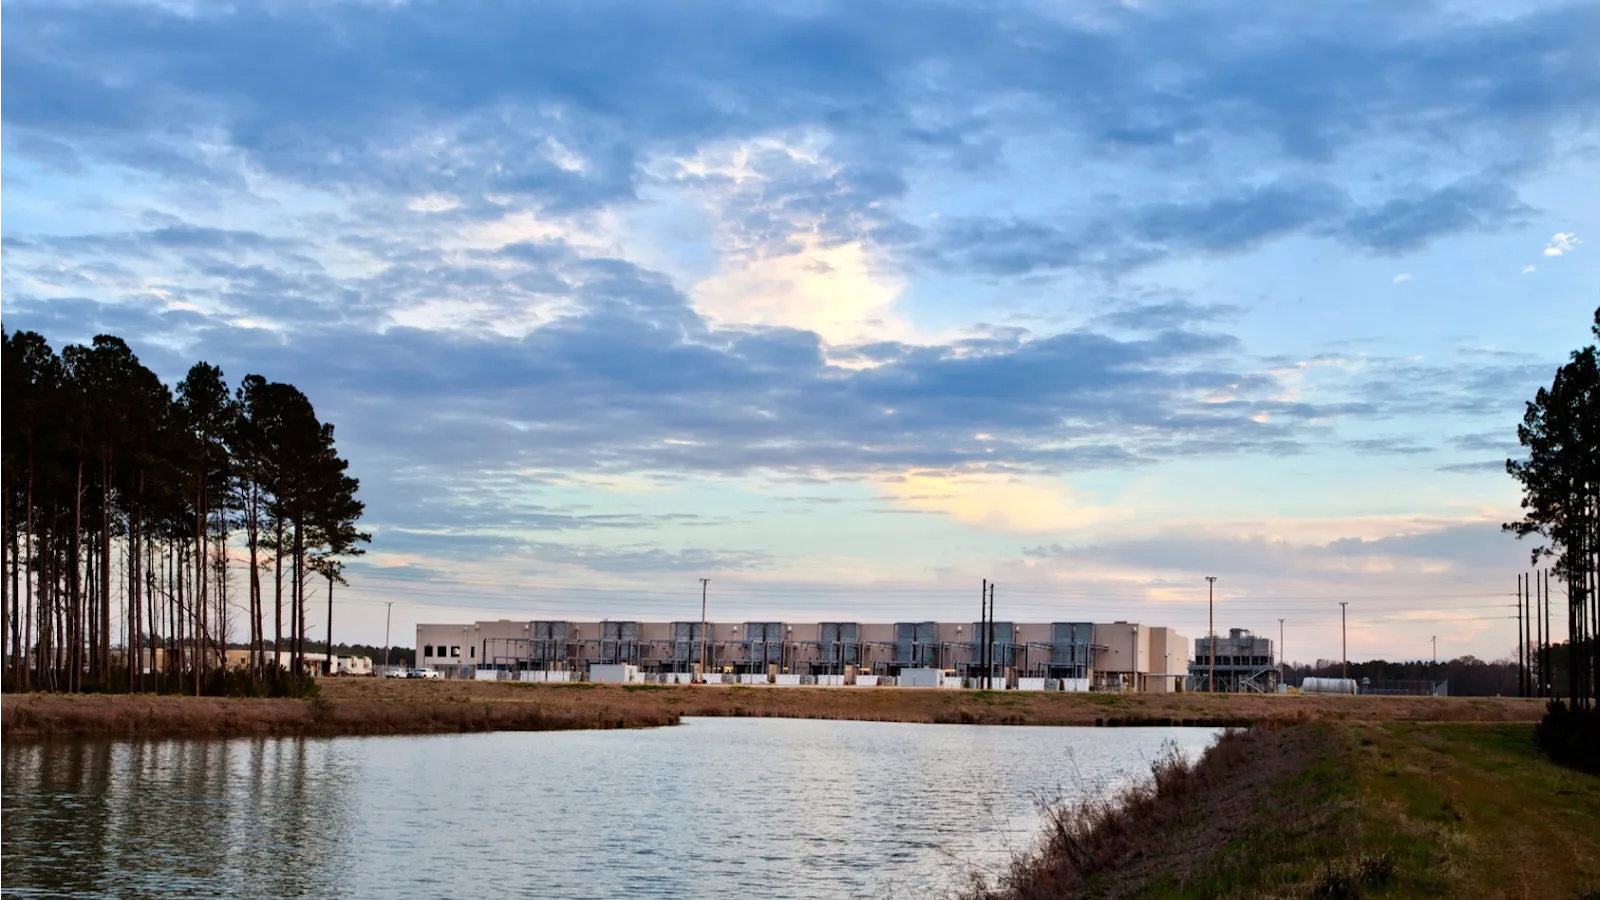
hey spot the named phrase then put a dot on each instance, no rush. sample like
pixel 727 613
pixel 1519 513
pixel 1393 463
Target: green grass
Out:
pixel 1479 809
pixel 1468 810
pixel 1381 811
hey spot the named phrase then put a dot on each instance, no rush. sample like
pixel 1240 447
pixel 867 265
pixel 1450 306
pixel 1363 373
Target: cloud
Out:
pixel 1475 468
pixel 1562 243
pixel 1390 446
pixel 1498 441
pixel 996 502
pixel 489 109
pixel 1286 551
pixel 609 389
pixel 1166 315
pixel 1402 278
pixel 513 251
pixel 839 292
pixel 1415 217
pixel 1529 270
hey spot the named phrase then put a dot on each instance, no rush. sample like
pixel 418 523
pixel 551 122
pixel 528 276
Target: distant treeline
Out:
pixel 122 500
pixel 1468 675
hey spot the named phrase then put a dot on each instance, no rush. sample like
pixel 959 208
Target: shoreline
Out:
pixel 1327 809
pixel 394 707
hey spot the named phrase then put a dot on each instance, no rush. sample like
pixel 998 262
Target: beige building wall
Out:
pixel 1122 657
pixel 1169 658
pixel 1125 652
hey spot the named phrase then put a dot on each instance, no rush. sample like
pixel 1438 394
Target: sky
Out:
pixel 848 306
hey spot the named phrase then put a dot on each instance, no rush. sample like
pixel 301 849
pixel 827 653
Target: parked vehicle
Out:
pixel 424 673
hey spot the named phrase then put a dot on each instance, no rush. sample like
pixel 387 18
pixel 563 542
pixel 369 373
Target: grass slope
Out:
pixel 1337 810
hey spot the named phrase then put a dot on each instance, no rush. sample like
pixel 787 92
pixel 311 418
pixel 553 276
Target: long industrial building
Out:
pixel 1122 655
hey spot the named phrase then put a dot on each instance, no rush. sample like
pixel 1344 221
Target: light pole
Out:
pixel 704 582
pixel 1280 651
pixel 1344 643
pixel 1211 655
pixel 1435 640
pixel 387 614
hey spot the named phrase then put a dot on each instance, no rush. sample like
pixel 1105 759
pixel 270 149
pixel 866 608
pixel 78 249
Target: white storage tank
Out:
pixel 1328 686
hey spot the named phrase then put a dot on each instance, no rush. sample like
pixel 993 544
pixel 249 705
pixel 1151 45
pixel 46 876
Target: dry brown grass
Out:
pixel 46 716
pixel 1164 831
pixel 952 707
pixel 384 706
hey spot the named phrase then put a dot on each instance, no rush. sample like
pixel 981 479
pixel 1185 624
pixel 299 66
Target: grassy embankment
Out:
pixel 372 706
pixel 1334 809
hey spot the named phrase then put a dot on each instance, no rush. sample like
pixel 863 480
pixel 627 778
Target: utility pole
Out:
pixel 1546 662
pixel 704 582
pixel 1211 612
pixel 1522 644
pixel 989 672
pixel 1280 651
pixel 1344 643
pixel 1435 640
pixel 388 613
pixel 1537 669
pixel 983 630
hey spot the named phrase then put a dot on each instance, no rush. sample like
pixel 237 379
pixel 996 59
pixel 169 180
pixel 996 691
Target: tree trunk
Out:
pixel 277 612
pixel 330 621
pixel 199 594
pixel 75 632
pixel 257 636
pixel 105 569
pixel 8 619
pixel 152 568
pixel 134 644
pixel 29 603
pixel 299 592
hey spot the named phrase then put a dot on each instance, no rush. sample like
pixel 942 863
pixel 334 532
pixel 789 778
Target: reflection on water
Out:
pixel 763 807
pixel 195 818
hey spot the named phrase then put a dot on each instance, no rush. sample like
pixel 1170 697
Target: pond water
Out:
pixel 716 807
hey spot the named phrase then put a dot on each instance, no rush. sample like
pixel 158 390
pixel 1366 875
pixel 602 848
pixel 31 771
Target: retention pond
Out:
pixel 777 808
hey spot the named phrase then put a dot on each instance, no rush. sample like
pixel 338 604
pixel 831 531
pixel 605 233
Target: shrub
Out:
pixel 1570 736
pixel 240 683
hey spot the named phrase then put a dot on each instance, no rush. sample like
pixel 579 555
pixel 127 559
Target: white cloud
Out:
pixel 999 502
pixel 432 203
pixel 837 291
pixel 1402 277
pixel 1560 243
pixel 1529 270
pixel 779 266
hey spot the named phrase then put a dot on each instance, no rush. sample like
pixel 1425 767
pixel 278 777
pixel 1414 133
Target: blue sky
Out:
pixel 848 306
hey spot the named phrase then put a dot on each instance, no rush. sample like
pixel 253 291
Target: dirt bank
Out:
pixel 373 706
pixel 949 706
pixel 49 716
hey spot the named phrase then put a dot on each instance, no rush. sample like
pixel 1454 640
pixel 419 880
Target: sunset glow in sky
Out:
pixel 849 306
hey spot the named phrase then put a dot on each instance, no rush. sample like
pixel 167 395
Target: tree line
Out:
pixel 1468 676
pixel 129 505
